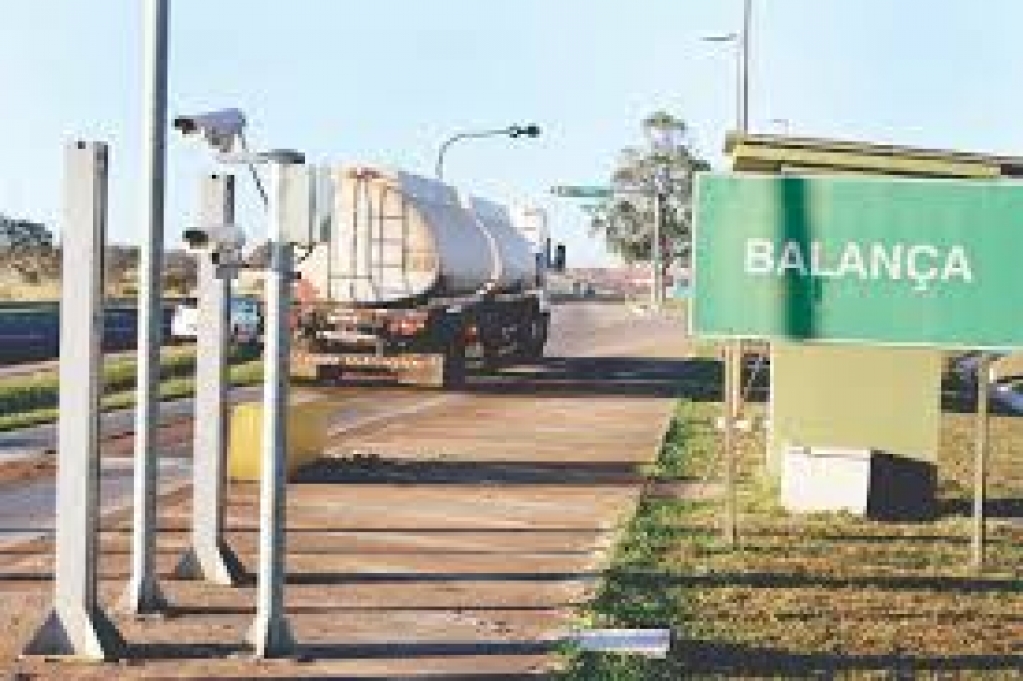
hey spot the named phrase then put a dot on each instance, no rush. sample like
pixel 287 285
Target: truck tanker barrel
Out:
pixel 399 237
pixel 513 263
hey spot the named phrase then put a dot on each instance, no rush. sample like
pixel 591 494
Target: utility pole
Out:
pixel 656 283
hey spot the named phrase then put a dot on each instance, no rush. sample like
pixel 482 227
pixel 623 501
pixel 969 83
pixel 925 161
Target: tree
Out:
pixel 26 248
pixel 180 272
pixel 626 219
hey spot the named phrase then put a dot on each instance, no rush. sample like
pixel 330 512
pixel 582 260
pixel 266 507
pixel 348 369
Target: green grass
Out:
pixel 824 596
pixel 32 400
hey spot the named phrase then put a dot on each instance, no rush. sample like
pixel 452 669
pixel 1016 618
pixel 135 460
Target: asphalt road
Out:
pixel 445 534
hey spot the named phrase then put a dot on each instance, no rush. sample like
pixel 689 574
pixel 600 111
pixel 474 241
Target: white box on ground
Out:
pixel 822 479
pixel 866 482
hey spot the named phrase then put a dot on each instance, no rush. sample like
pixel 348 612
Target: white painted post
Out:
pixel 209 557
pixel 270 634
pixel 143 595
pixel 77 627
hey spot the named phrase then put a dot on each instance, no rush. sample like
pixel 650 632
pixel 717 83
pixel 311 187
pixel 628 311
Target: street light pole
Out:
pixel 744 57
pixel 733 351
pixel 513 131
pixel 741 42
pixel 144 595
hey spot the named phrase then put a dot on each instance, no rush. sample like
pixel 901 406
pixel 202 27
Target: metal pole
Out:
pixel 439 170
pixel 77 626
pixel 980 463
pixel 656 285
pixel 144 595
pixel 439 166
pixel 731 532
pixel 743 116
pixel 209 557
pixel 270 634
pixel 744 62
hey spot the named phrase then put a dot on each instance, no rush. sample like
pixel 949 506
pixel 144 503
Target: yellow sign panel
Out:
pixel 861 397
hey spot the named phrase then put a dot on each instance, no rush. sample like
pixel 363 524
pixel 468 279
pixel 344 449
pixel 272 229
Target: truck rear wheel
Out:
pixel 535 337
pixel 491 356
pixel 447 369
pixel 453 366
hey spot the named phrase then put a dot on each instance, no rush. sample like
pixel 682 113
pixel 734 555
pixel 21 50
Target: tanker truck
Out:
pixel 418 281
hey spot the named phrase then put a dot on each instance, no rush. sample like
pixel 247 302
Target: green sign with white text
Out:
pixel 859 259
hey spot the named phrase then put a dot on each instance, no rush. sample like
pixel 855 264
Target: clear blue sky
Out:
pixel 387 81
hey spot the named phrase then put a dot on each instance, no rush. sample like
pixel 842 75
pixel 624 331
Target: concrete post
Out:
pixel 143 595
pixel 77 626
pixel 209 557
pixel 270 634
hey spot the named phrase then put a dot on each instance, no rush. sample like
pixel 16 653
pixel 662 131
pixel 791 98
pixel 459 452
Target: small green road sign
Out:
pixel 873 260
pixel 568 191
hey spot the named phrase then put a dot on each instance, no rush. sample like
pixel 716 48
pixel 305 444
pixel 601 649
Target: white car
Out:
pixel 246 322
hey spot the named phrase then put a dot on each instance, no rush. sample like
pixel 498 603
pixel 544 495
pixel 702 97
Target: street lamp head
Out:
pixel 530 130
pixel 723 38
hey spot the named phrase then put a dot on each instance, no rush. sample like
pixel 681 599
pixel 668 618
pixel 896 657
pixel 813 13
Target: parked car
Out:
pixel 246 320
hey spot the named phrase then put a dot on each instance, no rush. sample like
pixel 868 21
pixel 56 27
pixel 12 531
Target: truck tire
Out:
pixel 328 374
pixel 453 367
pixel 491 357
pixel 535 337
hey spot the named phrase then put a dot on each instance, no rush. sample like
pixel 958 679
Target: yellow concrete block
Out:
pixel 307 437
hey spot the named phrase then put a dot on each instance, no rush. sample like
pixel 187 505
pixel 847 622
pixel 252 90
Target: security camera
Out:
pixel 215 238
pixel 220 128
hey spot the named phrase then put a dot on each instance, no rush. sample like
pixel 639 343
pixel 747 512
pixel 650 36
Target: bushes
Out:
pixel 39 392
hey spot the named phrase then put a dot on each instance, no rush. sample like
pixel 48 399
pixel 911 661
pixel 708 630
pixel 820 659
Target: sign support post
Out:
pixel 209 557
pixel 77 627
pixel 731 532
pixel 980 463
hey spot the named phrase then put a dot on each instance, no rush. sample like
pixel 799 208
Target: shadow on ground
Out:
pixel 372 469
pixel 595 377
pixel 709 657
